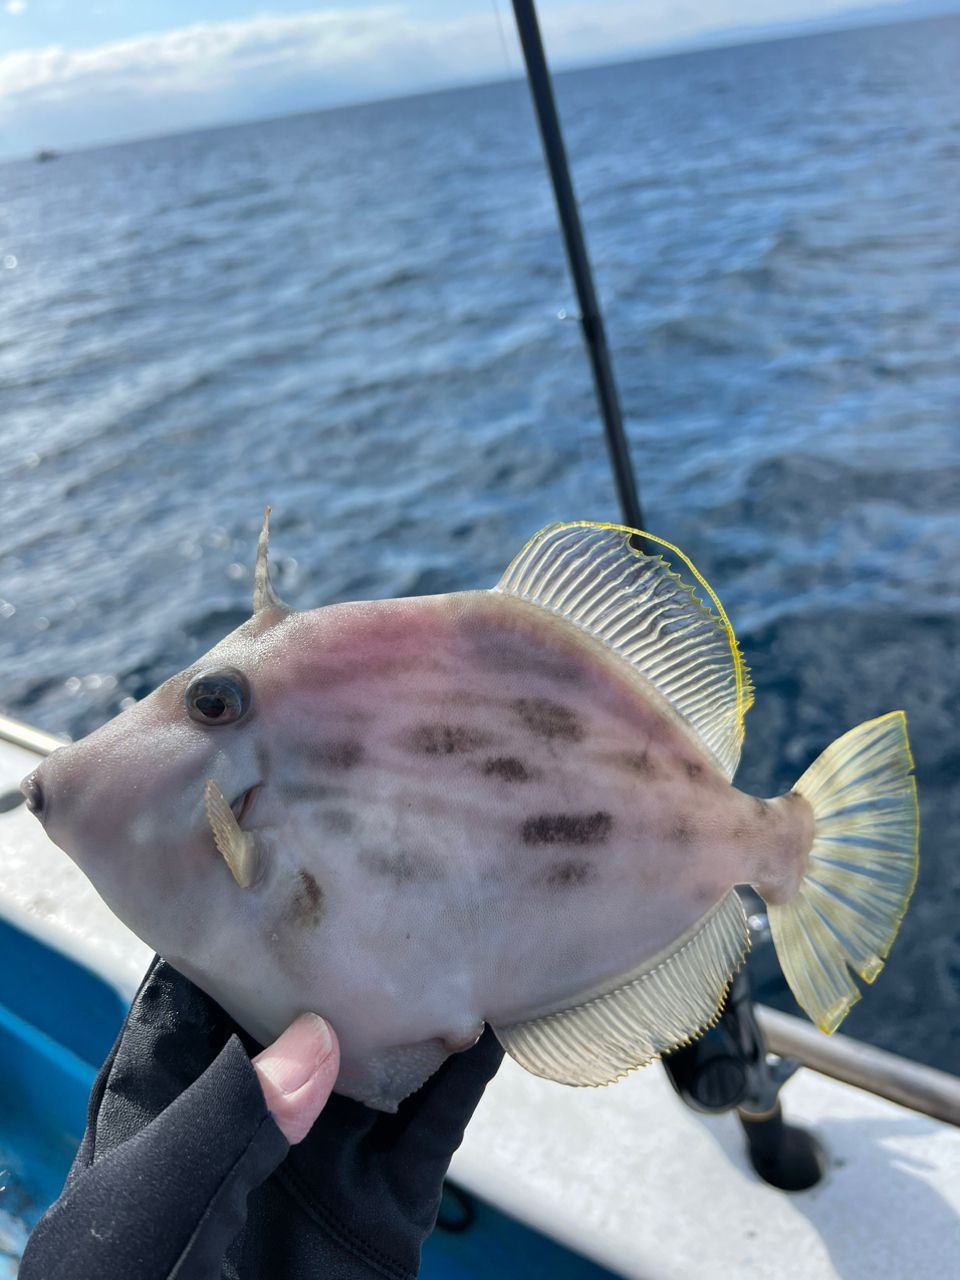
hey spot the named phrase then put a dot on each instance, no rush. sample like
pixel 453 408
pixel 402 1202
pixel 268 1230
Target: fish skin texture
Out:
pixel 468 811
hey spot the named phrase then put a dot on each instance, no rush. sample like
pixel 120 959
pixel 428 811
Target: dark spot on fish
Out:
pixel 507 768
pixel 706 893
pixel 402 868
pixel 306 905
pixel 761 808
pixel 446 739
pixel 694 770
pixel 494 648
pixel 548 719
pixel 793 795
pixel 641 764
pixel 682 833
pixel 345 754
pixel 570 873
pixel 263 760
pixel 338 822
pixel 566 828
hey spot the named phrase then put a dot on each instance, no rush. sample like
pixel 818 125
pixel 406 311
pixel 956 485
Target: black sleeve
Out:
pixel 169 1200
pixel 182 1173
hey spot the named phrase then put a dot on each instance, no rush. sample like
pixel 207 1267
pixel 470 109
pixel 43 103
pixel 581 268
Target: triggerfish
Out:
pixel 513 807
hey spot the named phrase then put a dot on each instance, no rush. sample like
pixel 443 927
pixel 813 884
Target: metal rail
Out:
pixel 911 1084
pixel 591 319
pixel 24 735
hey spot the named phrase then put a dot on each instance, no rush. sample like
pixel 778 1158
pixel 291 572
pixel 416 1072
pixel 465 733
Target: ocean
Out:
pixel 363 317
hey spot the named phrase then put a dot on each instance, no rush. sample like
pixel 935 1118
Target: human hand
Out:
pixel 186 1171
pixel 297 1074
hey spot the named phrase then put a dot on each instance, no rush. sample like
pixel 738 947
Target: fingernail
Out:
pixel 295 1058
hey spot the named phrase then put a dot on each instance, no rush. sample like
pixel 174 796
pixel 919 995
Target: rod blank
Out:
pixel 591 319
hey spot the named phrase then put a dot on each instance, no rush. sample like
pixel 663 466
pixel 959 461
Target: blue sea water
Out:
pixel 355 315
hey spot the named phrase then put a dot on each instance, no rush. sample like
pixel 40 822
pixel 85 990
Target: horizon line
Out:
pixel 798 29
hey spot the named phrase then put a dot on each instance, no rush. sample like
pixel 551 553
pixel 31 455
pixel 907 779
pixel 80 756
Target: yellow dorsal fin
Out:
pixel 643 610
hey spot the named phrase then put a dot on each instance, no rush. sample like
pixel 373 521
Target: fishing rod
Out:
pixel 728 1067
pixel 591 319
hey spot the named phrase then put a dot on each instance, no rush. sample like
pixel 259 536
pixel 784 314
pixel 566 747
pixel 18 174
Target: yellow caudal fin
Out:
pixel 862 868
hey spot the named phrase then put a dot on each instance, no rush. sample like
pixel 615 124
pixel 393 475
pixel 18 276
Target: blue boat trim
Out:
pixel 57 1024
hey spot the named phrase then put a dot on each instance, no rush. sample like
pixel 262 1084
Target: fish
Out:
pixel 510 807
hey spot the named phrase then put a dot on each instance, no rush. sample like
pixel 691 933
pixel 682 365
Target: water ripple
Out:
pixel 354 316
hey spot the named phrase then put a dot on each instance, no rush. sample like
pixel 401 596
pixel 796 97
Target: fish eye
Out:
pixel 217 697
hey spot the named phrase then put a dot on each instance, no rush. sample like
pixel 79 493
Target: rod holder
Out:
pixel 728 1068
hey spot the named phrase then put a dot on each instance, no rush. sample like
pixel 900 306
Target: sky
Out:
pixel 75 73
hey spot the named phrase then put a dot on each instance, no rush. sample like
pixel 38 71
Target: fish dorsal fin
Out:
pixel 663 1004
pixel 641 609
pixel 264 596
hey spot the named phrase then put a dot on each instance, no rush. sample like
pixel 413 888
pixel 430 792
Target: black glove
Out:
pixel 183 1174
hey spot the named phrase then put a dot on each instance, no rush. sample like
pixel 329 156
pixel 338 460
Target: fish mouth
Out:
pixel 244 802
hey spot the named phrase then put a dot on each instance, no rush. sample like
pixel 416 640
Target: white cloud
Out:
pixel 212 71
pixel 15 6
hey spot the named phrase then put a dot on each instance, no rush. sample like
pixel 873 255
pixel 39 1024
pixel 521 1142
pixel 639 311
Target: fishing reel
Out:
pixel 729 1068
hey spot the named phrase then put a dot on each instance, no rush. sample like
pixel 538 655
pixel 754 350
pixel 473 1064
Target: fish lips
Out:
pixel 33 794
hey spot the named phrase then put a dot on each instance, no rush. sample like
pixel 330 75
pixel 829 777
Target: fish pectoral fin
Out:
pixel 667 1002
pixel 238 847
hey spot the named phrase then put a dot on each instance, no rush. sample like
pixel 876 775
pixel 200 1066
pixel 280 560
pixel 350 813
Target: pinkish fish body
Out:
pixel 511 807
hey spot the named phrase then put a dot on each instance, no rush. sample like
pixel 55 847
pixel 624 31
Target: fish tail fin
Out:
pixel 861 871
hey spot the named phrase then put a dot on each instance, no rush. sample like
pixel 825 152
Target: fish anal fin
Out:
pixel 671 1000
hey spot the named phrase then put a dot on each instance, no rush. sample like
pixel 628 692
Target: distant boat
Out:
pixel 45 154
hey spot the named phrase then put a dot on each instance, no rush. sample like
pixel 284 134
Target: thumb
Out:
pixel 297 1074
